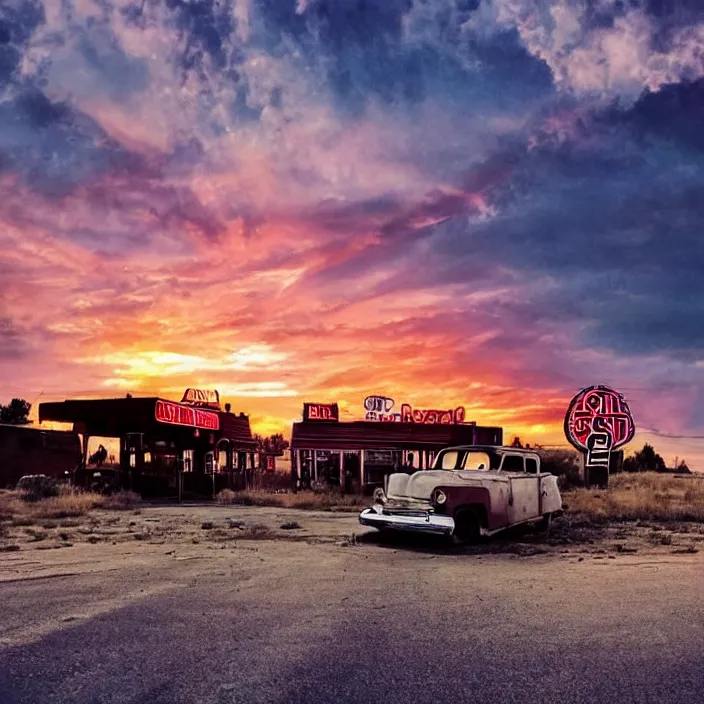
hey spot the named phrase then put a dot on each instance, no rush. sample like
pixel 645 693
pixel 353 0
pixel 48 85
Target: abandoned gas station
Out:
pixel 195 448
pixel 358 455
pixel 167 448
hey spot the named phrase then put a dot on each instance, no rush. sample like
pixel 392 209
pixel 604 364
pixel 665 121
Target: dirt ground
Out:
pixel 233 604
pixel 211 526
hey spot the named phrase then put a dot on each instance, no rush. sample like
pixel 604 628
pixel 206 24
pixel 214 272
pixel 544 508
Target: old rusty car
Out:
pixel 471 491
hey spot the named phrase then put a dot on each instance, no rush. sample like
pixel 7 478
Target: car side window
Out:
pixel 449 460
pixel 531 465
pixel 512 463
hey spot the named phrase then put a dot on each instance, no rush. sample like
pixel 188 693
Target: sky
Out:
pixel 488 203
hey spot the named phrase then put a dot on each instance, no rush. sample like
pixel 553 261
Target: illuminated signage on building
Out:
pixel 176 414
pixel 417 415
pixel 202 397
pixel 321 411
pixel 379 408
pixel 597 422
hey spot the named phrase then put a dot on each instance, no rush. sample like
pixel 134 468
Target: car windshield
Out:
pixel 465 459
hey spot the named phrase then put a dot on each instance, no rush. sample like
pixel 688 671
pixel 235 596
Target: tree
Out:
pixel 16 412
pixel 682 468
pixel 679 467
pixel 645 460
pixel 273 444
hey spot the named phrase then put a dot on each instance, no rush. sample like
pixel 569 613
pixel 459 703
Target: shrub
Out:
pixel 66 506
pixel 274 481
pixel 565 465
pixel 33 487
pixel 120 501
pixel 290 525
pixel 226 497
pixel 328 500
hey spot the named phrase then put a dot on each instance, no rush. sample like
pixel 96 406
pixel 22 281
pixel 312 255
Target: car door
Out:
pixel 524 497
pixel 533 468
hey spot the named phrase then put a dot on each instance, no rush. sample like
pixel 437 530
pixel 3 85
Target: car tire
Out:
pixel 544 523
pixel 467 528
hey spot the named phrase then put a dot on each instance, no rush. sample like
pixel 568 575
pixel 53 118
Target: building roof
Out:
pixel 105 417
pixel 115 417
pixel 236 429
pixel 11 428
pixel 374 435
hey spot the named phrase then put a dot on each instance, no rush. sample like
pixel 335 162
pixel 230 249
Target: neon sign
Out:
pixel 597 422
pixel 176 414
pixel 378 408
pixel 202 397
pixel 416 415
pixel 321 411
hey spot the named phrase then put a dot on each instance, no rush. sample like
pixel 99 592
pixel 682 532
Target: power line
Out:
pixel 654 431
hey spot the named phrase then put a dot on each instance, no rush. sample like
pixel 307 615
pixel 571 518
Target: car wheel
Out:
pixel 544 523
pixel 467 529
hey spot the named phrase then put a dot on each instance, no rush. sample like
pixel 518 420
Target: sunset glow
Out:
pixel 490 204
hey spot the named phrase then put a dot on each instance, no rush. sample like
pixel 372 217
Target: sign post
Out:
pixel 598 422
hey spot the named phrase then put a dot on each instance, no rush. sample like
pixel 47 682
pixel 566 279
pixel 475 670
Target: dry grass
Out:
pixel 69 504
pixel 311 500
pixel 121 501
pixel 643 496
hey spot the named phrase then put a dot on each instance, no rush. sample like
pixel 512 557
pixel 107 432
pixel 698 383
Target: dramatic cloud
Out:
pixel 481 202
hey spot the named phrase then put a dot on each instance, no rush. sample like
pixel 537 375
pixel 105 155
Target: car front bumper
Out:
pixel 415 521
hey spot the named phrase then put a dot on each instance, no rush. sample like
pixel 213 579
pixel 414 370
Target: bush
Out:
pixel 273 481
pixel 645 460
pixel 329 500
pixel 565 465
pixel 120 501
pixel 226 497
pixel 67 505
pixel 33 487
pixel 290 525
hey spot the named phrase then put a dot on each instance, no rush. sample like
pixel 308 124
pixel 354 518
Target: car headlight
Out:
pixel 439 497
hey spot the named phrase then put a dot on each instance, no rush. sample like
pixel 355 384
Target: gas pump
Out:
pixel 210 467
pixel 132 460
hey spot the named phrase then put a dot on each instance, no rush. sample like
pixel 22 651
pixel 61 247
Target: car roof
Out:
pixel 494 448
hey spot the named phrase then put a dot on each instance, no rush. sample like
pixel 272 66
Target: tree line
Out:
pixel 644 460
pixel 16 412
pixel 647 460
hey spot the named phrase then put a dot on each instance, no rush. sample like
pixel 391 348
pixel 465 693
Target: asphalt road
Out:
pixel 273 621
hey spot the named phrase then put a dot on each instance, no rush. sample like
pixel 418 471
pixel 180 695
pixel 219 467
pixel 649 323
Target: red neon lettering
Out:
pixel 427 416
pixel 320 411
pixel 173 413
pixel 597 411
pixel 209 421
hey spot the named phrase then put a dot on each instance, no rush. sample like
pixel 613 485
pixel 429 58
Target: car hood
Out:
pixel 420 485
